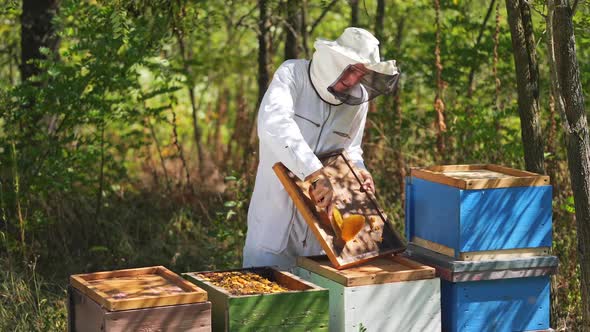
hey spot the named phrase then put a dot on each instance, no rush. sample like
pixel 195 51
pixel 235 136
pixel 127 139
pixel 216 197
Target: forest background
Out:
pixel 128 138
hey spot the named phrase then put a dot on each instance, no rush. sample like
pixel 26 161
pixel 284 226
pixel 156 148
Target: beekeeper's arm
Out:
pixel 277 128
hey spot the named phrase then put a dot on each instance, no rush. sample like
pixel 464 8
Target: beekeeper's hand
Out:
pixel 367 181
pixel 321 190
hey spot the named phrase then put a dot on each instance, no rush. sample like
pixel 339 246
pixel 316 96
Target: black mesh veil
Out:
pixel 360 83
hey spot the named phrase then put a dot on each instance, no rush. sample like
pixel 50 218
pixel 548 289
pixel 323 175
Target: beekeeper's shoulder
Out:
pixel 293 69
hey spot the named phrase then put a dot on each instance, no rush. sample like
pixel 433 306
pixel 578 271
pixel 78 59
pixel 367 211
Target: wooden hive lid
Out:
pixel 480 176
pixel 381 270
pixel 146 287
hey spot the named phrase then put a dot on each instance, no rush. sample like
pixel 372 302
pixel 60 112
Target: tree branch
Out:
pixel 477 42
pixel 321 17
pixel 574 7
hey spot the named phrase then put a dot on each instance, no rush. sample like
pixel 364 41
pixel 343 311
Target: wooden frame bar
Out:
pixel 511 177
pixel 368 246
pixel 190 293
pixel 482 255
pixel 378 271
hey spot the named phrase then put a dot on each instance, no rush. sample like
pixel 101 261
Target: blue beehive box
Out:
pixel 475 212
pixel 499 296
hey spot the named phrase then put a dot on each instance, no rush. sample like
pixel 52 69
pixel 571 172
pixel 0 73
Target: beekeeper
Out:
pixel 310 108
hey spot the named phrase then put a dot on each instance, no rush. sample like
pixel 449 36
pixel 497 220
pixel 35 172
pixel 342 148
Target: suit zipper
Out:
pixel 315 151
pixel 304 118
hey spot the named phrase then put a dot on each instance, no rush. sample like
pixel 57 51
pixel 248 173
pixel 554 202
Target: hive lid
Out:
pixel 377 237
pixel 137 288
pixel 480 176
pixel 381 270
pixel 455 270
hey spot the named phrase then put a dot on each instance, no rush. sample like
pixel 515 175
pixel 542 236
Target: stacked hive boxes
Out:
pixel 143 299
pixel 487 231
pixel 296 305
pixel 391 293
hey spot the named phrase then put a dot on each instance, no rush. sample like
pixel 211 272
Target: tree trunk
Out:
pixel 37 31
pixel 527 82
pixel 263 74
pixel 222 110
pixel 303 28
pixel 292 30
pixel 354 13
pixel 186 56
pixel 379 19
pixel 569 101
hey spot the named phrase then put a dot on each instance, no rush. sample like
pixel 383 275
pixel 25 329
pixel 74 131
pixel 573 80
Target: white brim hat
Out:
pixel 332 58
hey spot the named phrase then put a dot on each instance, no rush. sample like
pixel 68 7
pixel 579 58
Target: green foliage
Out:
pixel 95 151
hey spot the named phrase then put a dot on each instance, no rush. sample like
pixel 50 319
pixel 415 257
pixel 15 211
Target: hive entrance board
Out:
pixel 376 238
pixel 137 288
pixel 480 176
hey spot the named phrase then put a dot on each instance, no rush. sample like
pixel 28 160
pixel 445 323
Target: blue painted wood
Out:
pixel 479 220
pixel 408 209
pixel 505 218
pixel 507 305
pixel 435 212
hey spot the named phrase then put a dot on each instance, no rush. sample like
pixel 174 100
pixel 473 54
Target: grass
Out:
pixel 29 303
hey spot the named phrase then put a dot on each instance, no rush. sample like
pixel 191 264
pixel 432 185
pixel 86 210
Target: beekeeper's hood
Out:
pixel 349 70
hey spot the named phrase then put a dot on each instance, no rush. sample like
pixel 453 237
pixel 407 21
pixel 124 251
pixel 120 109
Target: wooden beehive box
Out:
pixel 303 308
pixel 378 237
pixel 499 295
pixel 390 293
pixel 479 212
pixel 142 299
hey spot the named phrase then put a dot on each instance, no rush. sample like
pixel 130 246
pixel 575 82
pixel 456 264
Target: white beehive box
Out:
pixel 386 294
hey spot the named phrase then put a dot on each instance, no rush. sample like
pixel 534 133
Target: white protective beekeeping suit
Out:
pixel 297 120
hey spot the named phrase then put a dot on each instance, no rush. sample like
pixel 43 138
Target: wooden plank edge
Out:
pixel 179 281
pixel 98 296
pixel 437 247
pixel 520 178
pixel 118 273
pixel 458 168
pixel 326 272
pixel 504 254
pixel 367 258
pixel 438 178
pixel 419 272
pixel 468 276
pixel 104 300
pixel 478 184
pixel 513 171
pixel 291 277
pixel 157 301
pixel 411 263
pixel 283 174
